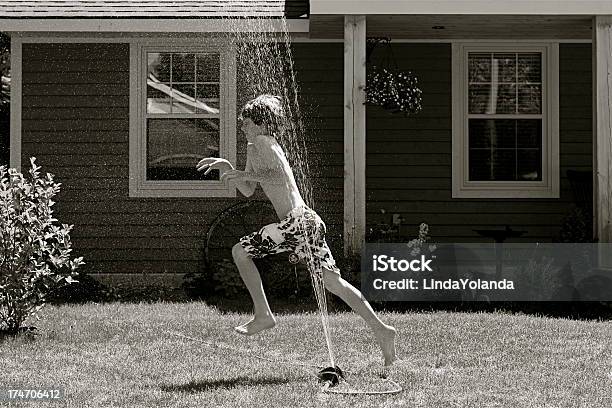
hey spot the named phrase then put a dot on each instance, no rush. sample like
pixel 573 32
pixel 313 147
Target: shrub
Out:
pixel 226 279
pixel 280 279
pixel 35 249
pixel 85 289
pixel 577 226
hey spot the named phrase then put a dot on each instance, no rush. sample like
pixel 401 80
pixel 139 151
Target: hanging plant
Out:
pixel 394 91
pixel 388 87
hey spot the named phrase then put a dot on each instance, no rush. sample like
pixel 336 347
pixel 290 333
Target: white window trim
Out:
pixel 548 187
pixel 139 186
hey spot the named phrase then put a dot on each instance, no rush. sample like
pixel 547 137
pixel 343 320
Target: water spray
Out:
pixel 267 62
pixel 265 55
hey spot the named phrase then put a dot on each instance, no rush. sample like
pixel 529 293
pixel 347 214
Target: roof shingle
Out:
pixel 153 8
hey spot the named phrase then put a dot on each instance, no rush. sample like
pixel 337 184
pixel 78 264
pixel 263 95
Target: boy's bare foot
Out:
pixel 256 325
pixel 386 341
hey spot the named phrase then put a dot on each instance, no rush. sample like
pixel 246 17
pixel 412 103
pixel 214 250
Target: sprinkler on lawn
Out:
pixel 294 258
pixel 330 376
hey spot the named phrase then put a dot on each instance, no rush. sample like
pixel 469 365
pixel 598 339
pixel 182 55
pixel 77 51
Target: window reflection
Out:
pixel 183 114
pixel 174 147
pixel 183 83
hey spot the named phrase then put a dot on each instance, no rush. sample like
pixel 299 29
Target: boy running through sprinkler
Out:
pixel 300 229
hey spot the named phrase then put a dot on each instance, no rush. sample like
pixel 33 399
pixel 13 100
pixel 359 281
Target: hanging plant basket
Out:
pixel 394 90
pixel 389 87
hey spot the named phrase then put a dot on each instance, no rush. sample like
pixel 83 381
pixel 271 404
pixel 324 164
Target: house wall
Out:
pixel 75 121
pixel 409 159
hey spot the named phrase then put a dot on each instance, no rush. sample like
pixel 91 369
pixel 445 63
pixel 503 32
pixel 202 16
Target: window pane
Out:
pixel 479 98
pixel 504 65
pixel 480 165
pixel 505 98
pixel 492 99
pixel 207 67
pixel 183 100
pixel 486 133
pixel 505 149
pixel 504 165
pixel 183 68
pixel 479 67
pixel 530 97
pixel 493 165
pixel 158 97
pixel 479 133
pixel 529 68
pixel 529 133
pixel 208 98
pixel 174 147
pixel 529 164
pixel 159 66
pixel 506 83
pixel 496 81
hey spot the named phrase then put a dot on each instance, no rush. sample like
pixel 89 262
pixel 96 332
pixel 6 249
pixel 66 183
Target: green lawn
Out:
pixel 120 355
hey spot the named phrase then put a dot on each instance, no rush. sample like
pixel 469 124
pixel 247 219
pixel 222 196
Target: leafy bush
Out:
pixel 283 279
pixel 226 279
pixel 577 226
pixel 280 279
pixel 84 289
pixel 35 249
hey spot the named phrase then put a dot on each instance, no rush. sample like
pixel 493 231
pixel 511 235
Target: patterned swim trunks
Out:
pixel 302 231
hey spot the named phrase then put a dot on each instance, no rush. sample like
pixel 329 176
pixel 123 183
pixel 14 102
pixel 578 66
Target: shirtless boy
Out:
pixel 300 229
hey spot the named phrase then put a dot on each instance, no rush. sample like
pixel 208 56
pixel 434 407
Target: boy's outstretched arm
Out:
pixel 247 188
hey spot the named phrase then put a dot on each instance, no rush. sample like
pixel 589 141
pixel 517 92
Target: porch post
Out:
pixel 602 132
pixel 354 133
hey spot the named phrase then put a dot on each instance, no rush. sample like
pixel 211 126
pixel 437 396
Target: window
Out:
pixel 182 109
pixel 505 121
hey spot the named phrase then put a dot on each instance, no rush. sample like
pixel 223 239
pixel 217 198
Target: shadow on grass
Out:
pixel 597 311
pixel 193 387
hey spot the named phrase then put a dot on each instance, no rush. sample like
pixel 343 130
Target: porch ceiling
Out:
pixel 459 27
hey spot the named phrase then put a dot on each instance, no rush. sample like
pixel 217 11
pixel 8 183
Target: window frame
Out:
pixel 139 186
pixel 548 187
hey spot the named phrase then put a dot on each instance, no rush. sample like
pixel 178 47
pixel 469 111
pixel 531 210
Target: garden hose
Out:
pixel 329 377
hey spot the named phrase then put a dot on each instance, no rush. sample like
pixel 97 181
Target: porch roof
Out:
pixel 153 9
pixel 461 7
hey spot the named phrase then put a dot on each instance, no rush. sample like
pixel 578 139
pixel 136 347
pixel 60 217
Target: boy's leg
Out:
pixel 385 334
pixel 250 275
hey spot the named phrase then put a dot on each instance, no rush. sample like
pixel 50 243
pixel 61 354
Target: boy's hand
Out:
pixel 212 163
pixel 234 175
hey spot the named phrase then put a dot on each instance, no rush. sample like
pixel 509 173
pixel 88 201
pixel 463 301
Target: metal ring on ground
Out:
pixel 332 390
pixel 326 388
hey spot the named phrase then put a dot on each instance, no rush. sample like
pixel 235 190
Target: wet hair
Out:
pixel 265 109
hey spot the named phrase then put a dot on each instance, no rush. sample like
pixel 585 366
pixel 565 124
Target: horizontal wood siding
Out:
pixel 76 123
pixel 320 70
pixel 409 159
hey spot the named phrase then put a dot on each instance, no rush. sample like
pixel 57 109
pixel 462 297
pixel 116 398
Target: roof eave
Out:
pixel 153 25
